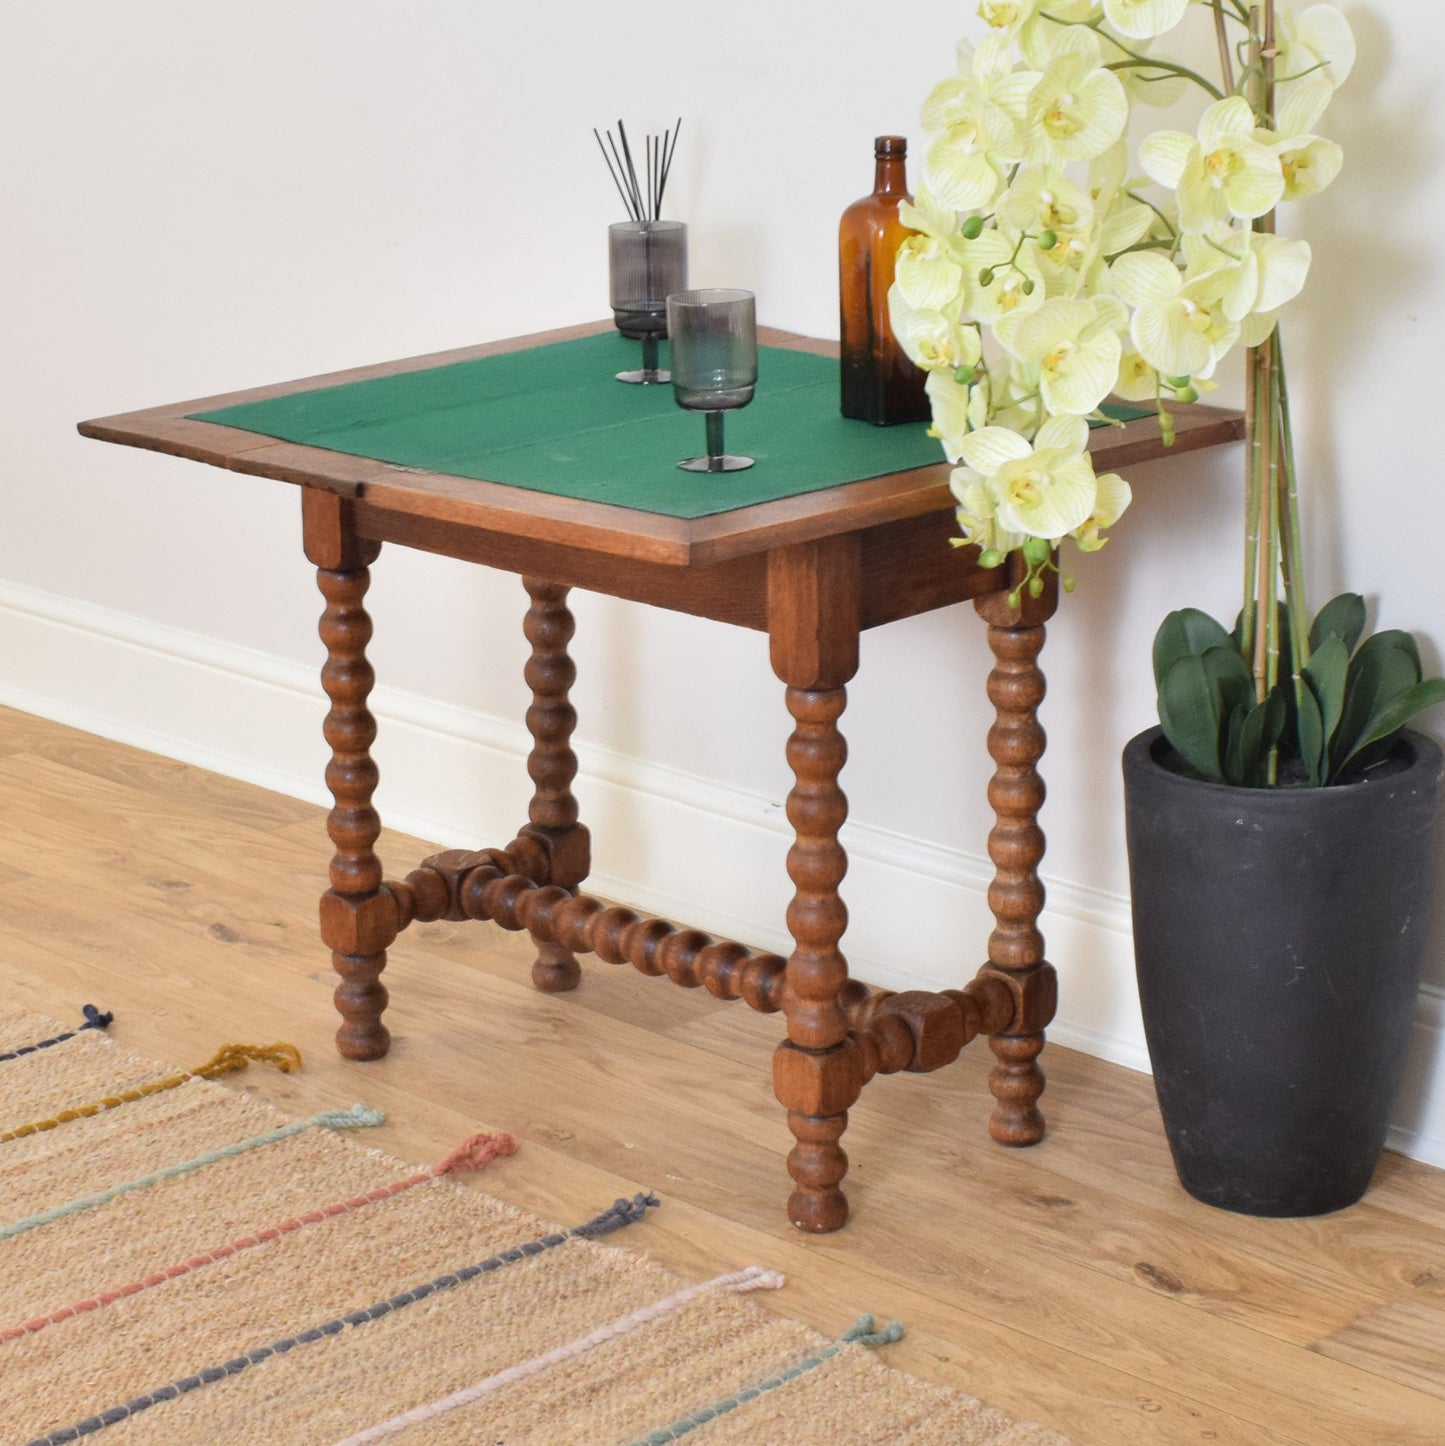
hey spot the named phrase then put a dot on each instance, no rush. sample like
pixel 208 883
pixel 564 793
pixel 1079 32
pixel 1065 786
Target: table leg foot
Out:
pixel 817 1164
pixel 361 998
pixel 1016 1083
pixel 555 969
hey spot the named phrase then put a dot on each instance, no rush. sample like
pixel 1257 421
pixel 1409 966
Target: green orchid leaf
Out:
pixel 1198 694
pixel 1342 617
pixel 1185 633
pixel 1189 713
pixel 1311 733
pixel 1232 760
pixel 1325 675
pixel 1385 666
pixel 1263 725
pixel 1395 712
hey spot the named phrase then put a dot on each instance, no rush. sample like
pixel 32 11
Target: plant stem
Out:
pixel 1143 62
pixel 1249 613
pixel 1265 570
pixel 1226 64
pixel 1292 550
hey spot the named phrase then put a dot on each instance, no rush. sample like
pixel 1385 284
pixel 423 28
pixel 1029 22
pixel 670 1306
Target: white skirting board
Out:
pixel 671 843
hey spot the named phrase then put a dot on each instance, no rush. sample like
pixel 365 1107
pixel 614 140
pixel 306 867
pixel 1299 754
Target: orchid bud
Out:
pixel 985 277
pixel 990 558
pixel 972 228
pixel 1048 240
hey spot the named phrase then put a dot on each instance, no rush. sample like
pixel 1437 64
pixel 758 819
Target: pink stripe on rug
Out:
pixel 472 1154
pixel 754 1277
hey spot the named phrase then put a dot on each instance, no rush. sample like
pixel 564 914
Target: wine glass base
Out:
pixel 645 378
pixel 726 463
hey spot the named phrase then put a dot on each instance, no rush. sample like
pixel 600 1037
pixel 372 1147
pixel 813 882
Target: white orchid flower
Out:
pixel 1179 325
pixel 974 114
pixel 1041 34
pixel 1045 490
pixel 950 400
pixel 1075 110
pixel 1003 396
pixel 1006 17
pixel 964 167
pixel 1042 198
pixel 1144 19
pixel 1112 496
pixel 1309 164
pixel 1076 347
pixel 1226 173
pixel 1121 220
pixel 976 516
pixel 926 273
pixel 1004 278
pixel 1266 270
pixel 1137 381
pixel 1309 161
pixel 1317 41
pixel 931 338
pixel 926 213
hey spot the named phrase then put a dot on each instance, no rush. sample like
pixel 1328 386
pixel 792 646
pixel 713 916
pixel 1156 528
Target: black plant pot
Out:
pixel 1278 936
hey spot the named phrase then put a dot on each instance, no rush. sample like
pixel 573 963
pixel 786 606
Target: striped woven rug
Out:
pixel 179 1262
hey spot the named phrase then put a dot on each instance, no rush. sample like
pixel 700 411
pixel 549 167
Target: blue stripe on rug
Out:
pixel 94 1019
pixel 615 1217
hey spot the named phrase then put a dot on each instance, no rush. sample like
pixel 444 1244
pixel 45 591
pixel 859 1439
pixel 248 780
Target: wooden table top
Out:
pixel 594 526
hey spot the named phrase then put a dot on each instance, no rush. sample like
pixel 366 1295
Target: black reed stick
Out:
pixel 641 196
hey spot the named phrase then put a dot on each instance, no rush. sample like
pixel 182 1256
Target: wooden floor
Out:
pixel 1073 1283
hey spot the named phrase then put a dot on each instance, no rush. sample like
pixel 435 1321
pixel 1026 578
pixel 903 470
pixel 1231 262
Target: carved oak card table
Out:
pixel 793 549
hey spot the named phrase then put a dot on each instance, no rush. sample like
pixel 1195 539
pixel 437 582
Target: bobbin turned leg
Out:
pixel 552 765
pixel 358 917
pixel 1016 846
pixel 813 612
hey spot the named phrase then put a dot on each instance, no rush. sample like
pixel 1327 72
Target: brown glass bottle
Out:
pixel 879 383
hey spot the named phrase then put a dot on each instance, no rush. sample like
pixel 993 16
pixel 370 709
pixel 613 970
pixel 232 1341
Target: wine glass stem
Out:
pixel 714 440
pixel 649 352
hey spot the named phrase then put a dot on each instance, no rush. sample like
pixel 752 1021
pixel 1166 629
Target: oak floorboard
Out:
pixel 1403 1342
pixel 1016 1272
pixel 117 763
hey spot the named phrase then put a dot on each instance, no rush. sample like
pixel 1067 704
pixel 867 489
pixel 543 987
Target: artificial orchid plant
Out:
pixel 1050 269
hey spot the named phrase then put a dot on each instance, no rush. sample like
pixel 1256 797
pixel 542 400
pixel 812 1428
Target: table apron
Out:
pixel 908 567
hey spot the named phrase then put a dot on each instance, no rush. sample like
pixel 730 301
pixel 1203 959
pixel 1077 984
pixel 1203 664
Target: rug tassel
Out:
pixel 232 1057
pixel 358 1117
pixel 622 1212
pixel 94 1019
pixel 477 1153
pixel 864 1332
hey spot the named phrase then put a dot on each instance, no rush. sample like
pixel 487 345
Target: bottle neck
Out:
pixel 889 176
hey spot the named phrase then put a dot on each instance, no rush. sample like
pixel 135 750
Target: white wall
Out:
pixel 204 196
